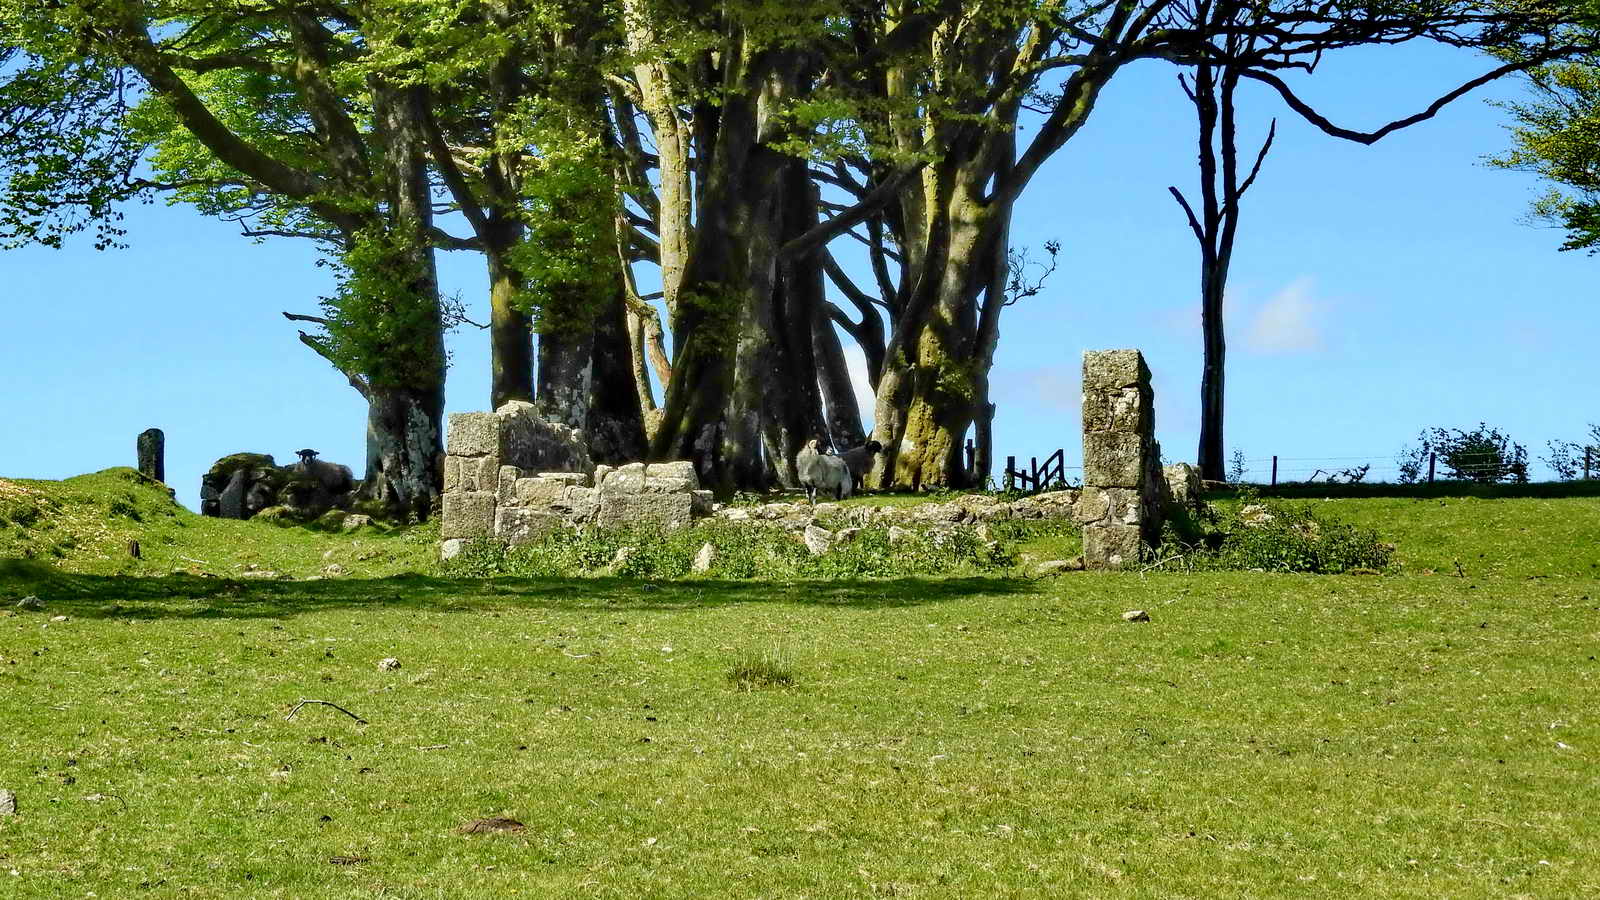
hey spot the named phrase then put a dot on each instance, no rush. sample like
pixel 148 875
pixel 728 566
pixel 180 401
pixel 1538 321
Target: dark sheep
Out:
pixel 859 461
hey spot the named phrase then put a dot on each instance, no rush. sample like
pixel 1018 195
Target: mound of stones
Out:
pixel 245 485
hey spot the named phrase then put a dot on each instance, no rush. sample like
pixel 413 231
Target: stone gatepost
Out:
pixel 1122 479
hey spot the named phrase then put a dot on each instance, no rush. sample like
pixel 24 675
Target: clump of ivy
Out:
pixel 571 204
pixel 378 321
pixel 1257 534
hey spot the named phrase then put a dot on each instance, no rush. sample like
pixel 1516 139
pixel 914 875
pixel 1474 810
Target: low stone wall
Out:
pixel 969 509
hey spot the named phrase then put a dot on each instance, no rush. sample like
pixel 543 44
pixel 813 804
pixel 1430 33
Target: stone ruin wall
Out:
pixel 512 477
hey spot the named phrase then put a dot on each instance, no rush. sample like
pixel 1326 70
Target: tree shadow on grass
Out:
pixel 194 597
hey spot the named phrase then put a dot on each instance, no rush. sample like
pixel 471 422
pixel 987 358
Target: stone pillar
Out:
pixel 471 476
pixel 1122 480
pixel 153 454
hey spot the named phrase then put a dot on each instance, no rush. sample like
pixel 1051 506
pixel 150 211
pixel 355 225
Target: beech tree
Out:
pixel 1557 136
pixel 265 115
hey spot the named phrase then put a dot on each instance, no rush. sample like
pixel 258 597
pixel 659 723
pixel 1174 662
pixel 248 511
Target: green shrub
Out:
pixel 1485 455
pixel 1274 536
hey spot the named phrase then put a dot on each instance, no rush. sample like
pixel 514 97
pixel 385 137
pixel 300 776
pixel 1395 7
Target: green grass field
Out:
pixel 1264 735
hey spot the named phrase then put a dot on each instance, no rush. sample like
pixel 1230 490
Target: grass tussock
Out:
pixel 759 670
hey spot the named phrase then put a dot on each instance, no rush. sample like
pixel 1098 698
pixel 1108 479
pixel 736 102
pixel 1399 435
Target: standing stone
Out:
pixel 230 505
pixel 153 454
pixel 8 803
pixel 704 559
pixel 1122 479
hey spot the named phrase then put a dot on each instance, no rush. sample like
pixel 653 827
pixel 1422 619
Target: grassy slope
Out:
pixel 1264 735
pixel 83 524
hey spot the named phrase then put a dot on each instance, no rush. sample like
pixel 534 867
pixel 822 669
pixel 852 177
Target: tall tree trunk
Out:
pixel 1212 374
pixel 510 328
pixel 790 397
pixel 616 423
pixel 406 405
pixel 926 395
pixel 730 263
pixel 565 375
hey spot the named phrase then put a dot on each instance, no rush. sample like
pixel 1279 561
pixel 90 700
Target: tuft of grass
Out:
pixel 755 670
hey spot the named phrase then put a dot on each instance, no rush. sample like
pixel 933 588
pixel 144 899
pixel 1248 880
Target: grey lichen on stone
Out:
pixel 1124 487
pixel 468 514
pixel 473 434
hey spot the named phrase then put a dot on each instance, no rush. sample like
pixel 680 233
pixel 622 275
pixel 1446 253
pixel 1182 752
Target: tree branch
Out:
pixel 875 200
pixel 1194 223
pixel 1371 137
pixel 321 348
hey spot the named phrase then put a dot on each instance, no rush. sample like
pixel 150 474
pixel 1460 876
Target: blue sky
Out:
pixel 1375 291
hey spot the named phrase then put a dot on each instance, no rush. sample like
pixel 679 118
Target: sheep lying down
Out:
pixel 822 472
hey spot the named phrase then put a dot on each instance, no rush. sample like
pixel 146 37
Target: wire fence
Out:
pixel 1413 467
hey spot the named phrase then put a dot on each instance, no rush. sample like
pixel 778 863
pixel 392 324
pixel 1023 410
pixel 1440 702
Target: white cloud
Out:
pixel 1057 388
pixel 1289 322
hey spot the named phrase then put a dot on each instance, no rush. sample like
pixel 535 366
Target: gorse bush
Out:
pixel 744 551
pixel 1273 536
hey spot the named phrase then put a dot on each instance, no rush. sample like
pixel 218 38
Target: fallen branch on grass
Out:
pixel 304 702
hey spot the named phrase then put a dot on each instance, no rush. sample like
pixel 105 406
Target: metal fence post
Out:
pixel 1274 469
pixel 1432 458
pixel 1588 456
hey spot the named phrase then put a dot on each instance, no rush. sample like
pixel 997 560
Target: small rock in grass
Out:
pixel 58 618
pixel 1135 615
pixel 30 604
pixel 1058 566
pixel 8 803
pixel 448 550
pixel 898 534
pixel 333 570
pixel 818 540
pixel 704 559
pixel 352 522
pixel 388 664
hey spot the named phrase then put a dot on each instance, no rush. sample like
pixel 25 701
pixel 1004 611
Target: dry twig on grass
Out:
pixel 304 702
